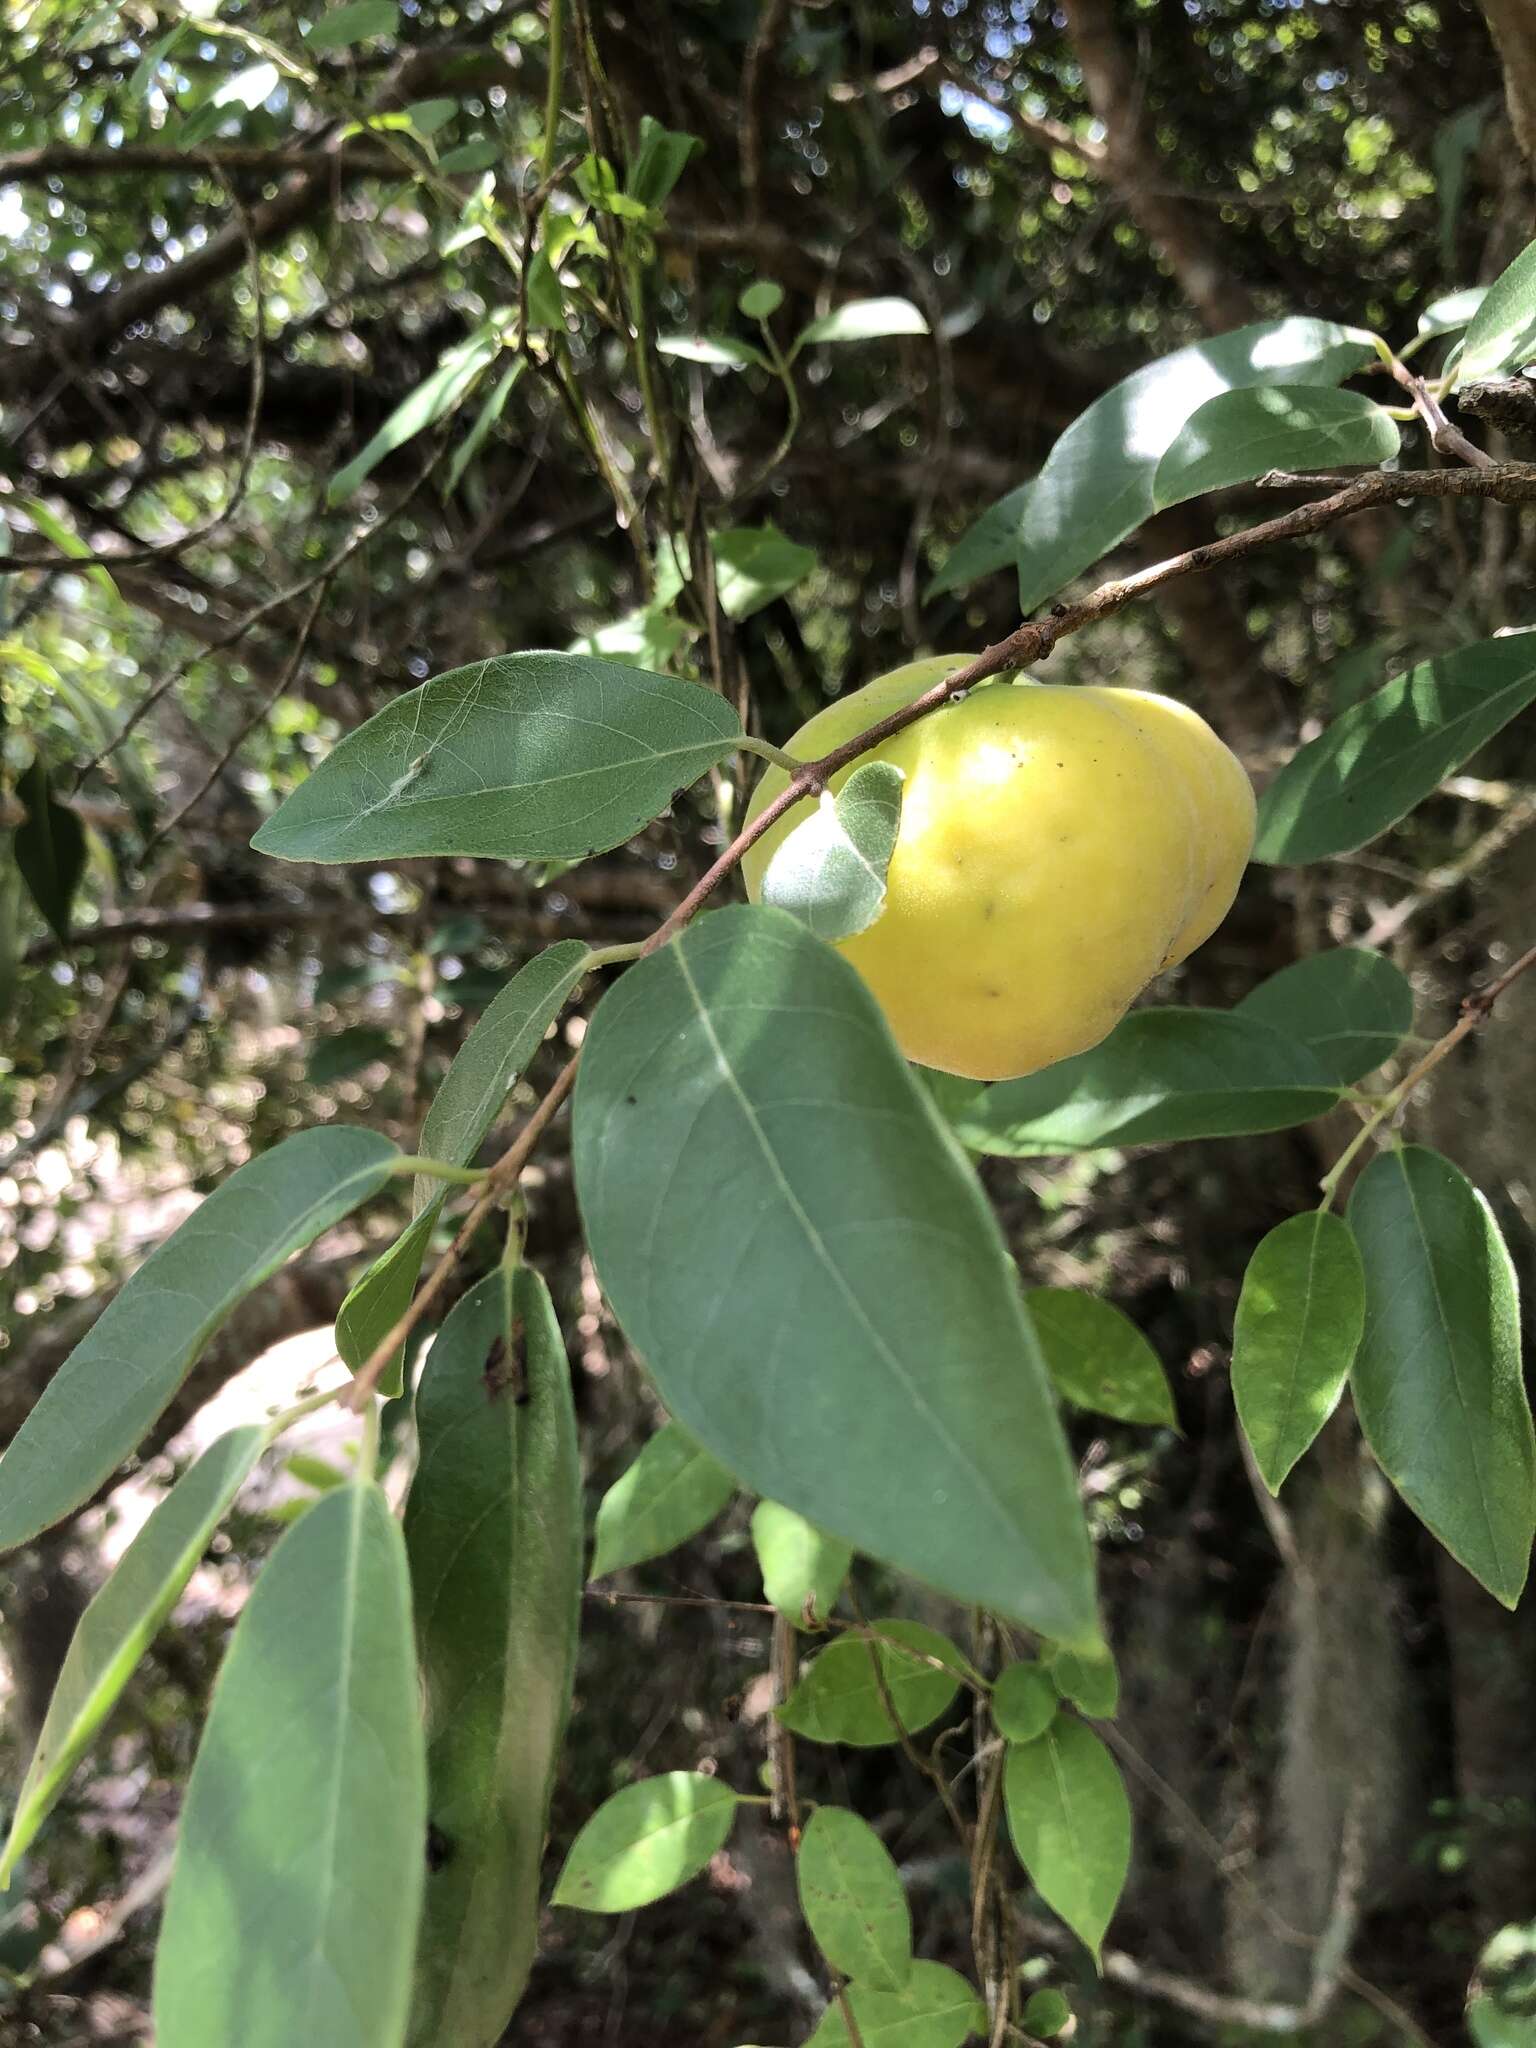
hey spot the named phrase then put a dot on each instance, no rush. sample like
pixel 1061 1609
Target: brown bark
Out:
pixel 1513 23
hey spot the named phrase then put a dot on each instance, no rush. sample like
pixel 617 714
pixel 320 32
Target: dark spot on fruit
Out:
pixel 989 911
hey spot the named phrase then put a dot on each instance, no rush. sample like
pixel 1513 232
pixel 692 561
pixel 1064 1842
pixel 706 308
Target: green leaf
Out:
pixel 147 70
pixel 935 2008
pixel 249 89
pixel 478 154
pixel 754 565
pixel 433 399
pixel 1239 435
pixel 1299 1320
pixel 851 1896
pixel 762 300
pixel 672 1491
pixel 1071 1825
pixel 1160 1075
pixel 841 1699
pixel 803 1567
pixel 292 1908
pixel 1092 1684
pixel 339 27
pixel 646 1841
pixel 121 1622
pixel 493 1531
pixel 119 1378
pixel 1354 1009
pixel 527 757
pixel 1024 1701
pixel 49 845
pixel 1451 311
pixel 719 351
pixel 1098 1358
pixel 341 1053
pixel 484 1070
pixel 799 1253
pixel 65 539
pixel 1501 335
pixel 863 320
pixel 427 116
pixel 1046 2014
pixel 830 872
pixel 1501 2012
pixel 1437 1380
pixel 991 543
pixel 664 154
pixel 647 638
pixel 490 412
pixel 1389 752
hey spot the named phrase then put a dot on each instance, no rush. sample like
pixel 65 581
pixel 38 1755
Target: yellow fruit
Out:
pixel 1058 846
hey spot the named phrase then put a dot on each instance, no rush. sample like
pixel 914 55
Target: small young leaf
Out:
pixel 49 845
pixel 1239 435
pixel 830 872
pixel 1098 1358
pixel 121 1622
pixel 1389 752
pixel 115 1382
pixel 527 757
pixel 718 351
pixel 1160 1075
pixel 851 1896
pixel 1501 336
pixel 803 1567
pixel 1024 1701
pixel 291 1915
pixel 1071 1825
pixel 1046 2014
pixel 339 27
pixel 841 1699
pixel 863 320
pixel 664 154
pixel 754 565
pixel 1354 1009
pixel 1092 1684
pixel 935 2008
pixel 671 1492
pixel 380 1296
pixel 1437 1380
pixel 762 300
pixel 646 1841
pixel 1299 1320
pixel 433 399
pixel 898 1397
pixel 493 1531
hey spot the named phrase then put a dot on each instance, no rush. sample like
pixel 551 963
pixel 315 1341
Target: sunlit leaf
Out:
pixel 843 1697
pixel 851 1896
pixel 646 1841
pixel 1299 1320
pixel 863 320
pixel 754 565
pixel 1098 1358
pixel 671 1491
pixel 433 399
pixel 1071 1824
pixel 803 1567
pixel 935 2008
pixel 718 351
pixel 1239 435
pixel 1444 315
pixel 490 412
pixel 1501 335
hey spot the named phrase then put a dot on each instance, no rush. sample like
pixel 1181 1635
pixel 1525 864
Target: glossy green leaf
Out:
pixel 498 1047
pixel 117 1380
pixel 121 1622
pixel 718 351
pixel 1161 1075
pixel 1452 310
pixel 1354 1009
pixel 863 320
pixel 49 845
pixel 830 871
pixel 1046 2013
pixel 491 410
pixel 1242 434
pixel 851 1896
pixel 291 1914
pixel 754 565
pixel 935 2008
pixel 803 1567
pixel 842 1697
pixel 433 399
pixel 1390 751
pixel 1437 1379
pixel 664 154
pixel 1098 1358
pixel 646 1841
pixel 1071 1825
pixel 337 28
pixel 808 1268
pixel 1501 335
pixel 672 1491
pixel 493 1531
pixel 1092 1684
pixel 1024 1701
pixel 1299 1320
pixel 526 757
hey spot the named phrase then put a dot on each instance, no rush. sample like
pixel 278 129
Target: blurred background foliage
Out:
pixel 234 242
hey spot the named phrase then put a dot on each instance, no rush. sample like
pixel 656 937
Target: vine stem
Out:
pixel 552 90
pixel 1475 1010
pixel 1510 483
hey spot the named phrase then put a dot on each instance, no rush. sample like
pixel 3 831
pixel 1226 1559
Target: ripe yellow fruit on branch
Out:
pixel 1058 847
